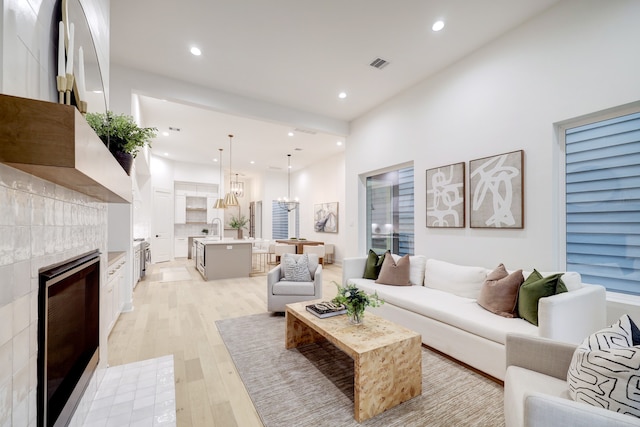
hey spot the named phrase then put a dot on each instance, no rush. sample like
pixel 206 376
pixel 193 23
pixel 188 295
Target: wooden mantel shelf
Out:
pixel 54 142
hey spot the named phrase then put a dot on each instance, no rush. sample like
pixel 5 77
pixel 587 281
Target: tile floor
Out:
pixel 140 394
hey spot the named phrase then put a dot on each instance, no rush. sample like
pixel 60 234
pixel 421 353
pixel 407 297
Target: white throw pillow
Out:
pixel 296 269
pixel 464 281
pixel 417 264
pixel 605 369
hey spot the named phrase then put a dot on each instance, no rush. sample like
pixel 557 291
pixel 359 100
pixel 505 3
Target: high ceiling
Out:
pixel 296 54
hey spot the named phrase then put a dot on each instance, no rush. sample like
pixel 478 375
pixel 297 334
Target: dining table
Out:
pixel 299 243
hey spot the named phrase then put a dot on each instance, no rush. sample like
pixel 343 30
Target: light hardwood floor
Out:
pixel 178 318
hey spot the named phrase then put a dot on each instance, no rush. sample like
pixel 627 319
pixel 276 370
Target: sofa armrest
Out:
pixel 273 277
pixel 352 268
pixel 539 354
pixel 572 316
pixel 548 411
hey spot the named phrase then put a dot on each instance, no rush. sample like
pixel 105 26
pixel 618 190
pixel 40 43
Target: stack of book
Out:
pixel 326 309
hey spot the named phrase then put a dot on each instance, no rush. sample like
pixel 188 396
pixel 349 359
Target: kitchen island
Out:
pixel 222 259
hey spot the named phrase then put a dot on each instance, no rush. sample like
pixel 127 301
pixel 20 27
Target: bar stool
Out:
pixel 329 251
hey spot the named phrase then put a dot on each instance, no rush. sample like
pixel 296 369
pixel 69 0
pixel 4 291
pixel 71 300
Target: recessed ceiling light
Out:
pixel 215 160
pixel 166 154
pixel 339 143
pixel 290 134
pixel 165 133
pixel 438 25
pixel 252 162
pixel 195 51
pixel 342 95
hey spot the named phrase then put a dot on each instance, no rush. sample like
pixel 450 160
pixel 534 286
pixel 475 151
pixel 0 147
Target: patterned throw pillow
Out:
pixel 605 369
pixel 296 269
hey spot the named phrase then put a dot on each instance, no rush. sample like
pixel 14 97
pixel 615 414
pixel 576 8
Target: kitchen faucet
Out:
pixel 217 221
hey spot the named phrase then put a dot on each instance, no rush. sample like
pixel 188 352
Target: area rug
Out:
pixel 313 384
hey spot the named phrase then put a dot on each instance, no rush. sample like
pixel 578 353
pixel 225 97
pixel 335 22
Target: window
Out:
pixel 390 221
pixel 280 222
pixel 602 168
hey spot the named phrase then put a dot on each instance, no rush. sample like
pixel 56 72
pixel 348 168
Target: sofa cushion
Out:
pixel 534 288
pixel 459 312
pixel 605 368
pixel 418 264
pixel 394 273
pixel 373 265
pixel 499 293
pixel 296 269
pixel 284 287
pixel 461 280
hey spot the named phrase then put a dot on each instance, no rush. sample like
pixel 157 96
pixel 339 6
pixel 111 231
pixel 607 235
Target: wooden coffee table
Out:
pixel 387 357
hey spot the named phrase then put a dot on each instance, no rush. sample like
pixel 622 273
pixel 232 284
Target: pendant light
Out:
pixel 230 199
pixel 220 201
pixel 285 202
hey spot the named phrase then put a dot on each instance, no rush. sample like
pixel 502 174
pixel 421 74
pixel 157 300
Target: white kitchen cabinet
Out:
pixel 115 282
pixel 180 209
pixel 181 247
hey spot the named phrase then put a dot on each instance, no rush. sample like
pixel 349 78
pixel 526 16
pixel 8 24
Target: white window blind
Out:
pixel 603 203
pixel 280 221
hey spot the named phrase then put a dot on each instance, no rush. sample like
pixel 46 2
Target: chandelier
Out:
pixel 285 202
pixel 230 199
pixel 237 187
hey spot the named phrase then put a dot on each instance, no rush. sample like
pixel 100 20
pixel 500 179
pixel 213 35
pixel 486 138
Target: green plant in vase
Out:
pixel 122 135
pixel 238 223
pixel 356 300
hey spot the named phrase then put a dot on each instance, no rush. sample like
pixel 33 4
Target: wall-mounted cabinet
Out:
pixel 194 203
pixel 181 209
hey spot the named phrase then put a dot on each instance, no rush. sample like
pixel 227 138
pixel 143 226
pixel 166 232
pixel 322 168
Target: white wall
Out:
pixel 322 182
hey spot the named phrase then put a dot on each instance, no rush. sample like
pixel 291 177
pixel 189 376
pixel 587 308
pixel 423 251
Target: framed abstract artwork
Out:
pixel 325 217
pixel 445 196
pixel 496 191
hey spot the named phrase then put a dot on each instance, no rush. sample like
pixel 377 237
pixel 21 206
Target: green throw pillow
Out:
pixel 534 288
pixel 373 265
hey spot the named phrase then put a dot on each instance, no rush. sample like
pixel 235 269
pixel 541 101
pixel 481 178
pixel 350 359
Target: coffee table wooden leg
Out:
pixel 298 333
pixel 387 377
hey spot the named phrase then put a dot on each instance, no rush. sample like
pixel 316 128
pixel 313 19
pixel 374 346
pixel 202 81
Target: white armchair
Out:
pixel 536 391
pixel 281 292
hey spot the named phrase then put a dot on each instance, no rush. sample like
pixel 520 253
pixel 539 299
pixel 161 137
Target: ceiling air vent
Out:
pixel 175 129
pixel 379 63
pixel 308 131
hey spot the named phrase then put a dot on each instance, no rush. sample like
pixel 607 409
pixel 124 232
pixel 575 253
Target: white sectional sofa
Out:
pixel 441 305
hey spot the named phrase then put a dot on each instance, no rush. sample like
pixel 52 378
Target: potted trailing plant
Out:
pixel 356 300
pixel 238 223
pixel 122 135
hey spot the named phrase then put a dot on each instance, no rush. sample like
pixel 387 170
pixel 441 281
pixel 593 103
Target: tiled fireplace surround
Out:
pixel 40 224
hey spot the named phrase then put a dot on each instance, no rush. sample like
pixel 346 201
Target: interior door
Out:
pixel 162 233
